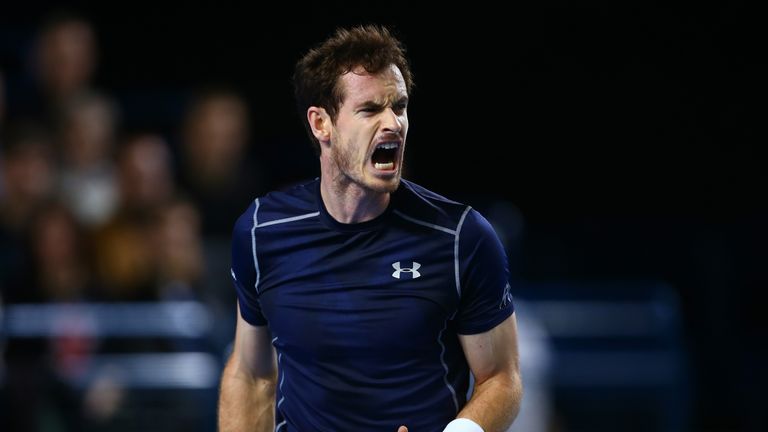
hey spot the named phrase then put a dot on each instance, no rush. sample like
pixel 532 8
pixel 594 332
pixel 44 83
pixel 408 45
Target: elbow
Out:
pixel 515 391
pixel 510 385
pixel 265 377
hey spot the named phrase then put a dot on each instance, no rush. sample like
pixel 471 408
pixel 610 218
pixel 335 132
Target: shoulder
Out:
pixel 453 217
pixel 420 203
pixel 293 201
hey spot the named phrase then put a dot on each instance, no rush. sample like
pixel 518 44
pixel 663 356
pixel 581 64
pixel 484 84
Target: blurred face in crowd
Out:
pixel 145 171
pixel 66 57
pixel 27 174
pixel 88 132
pixel 216 133
pixel 58 254
pixel 56 238
pixel 178 242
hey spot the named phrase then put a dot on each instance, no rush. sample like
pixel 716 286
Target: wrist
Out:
pixel 463 425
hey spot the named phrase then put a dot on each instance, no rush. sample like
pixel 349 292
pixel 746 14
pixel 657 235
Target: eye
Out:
pixel 399 108
pixel 368 110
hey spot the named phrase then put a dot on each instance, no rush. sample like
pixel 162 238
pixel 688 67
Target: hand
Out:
pixel 402 429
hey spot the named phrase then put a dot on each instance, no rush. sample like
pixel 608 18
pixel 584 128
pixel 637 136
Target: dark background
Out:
pixel 628 140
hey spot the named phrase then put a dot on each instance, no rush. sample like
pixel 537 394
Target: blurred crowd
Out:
pixel 94 211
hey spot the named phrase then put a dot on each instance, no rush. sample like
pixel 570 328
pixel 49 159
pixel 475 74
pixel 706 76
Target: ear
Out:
pixel 320 122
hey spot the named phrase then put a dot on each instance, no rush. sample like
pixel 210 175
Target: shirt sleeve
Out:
pixel 244 269
pixel 486 298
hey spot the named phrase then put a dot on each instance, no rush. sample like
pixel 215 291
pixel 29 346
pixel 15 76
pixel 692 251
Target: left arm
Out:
pixel 486 328
pixel 494 361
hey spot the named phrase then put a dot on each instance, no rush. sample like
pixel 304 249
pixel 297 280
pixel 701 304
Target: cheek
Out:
pixel 360 138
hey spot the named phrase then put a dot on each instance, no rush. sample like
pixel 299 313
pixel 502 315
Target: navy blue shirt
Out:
pixel 365 317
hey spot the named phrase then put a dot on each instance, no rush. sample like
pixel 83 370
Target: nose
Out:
pixel 392 122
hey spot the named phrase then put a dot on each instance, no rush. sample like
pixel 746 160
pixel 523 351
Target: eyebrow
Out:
pixel 371 104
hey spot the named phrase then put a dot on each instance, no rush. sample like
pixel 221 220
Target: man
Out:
pixel 364 300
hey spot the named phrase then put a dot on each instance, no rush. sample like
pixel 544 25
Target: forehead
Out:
pixel 360 86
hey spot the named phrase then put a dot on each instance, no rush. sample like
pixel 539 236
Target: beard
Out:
pixel 352 170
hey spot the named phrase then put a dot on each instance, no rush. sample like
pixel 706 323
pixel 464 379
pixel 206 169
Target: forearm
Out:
pixel 246 403
pixel 494 403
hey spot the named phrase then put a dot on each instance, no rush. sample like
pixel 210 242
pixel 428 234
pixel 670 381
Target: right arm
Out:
pixel 247 397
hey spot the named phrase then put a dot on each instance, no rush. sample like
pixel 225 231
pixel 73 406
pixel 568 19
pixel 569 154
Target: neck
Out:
pixel 347 202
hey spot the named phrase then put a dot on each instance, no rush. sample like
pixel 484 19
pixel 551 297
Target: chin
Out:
pixel 384 186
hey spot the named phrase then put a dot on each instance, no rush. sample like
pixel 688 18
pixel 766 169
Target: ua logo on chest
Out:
pixel 413 271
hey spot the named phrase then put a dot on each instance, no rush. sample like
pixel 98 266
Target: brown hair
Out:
pixel 316 78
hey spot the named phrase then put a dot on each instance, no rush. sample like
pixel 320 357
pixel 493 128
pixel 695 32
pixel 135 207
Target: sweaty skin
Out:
pixel 374 112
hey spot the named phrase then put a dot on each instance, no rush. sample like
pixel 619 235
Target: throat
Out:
pixel 349 203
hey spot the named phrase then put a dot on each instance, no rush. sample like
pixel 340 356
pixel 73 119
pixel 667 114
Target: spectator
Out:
pixel 26 181
pixel 65 60
pixel 86 135
pixel 216 169
pixel 178 251
pixel 123 246
pixel 27 172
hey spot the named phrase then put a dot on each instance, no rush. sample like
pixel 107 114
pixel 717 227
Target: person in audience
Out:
pixel 178 250
pixel 65 59
pixel 27 173
pixel 123 246
pixel 87 180
pixel 217 168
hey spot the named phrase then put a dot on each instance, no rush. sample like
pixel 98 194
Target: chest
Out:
pixel 359 294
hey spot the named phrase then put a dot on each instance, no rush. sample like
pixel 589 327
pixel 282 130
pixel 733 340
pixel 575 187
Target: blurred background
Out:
pixel 615 152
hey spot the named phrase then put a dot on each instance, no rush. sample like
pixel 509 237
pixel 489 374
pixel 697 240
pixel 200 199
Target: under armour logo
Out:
pixel 414 271
pixel 506 297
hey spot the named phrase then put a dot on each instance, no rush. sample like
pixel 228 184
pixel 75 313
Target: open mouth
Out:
pixel 385 156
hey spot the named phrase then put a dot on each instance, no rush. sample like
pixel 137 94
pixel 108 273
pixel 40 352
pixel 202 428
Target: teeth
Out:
pixel 384 166
pixel 387 146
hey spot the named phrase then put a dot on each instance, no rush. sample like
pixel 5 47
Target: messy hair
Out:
pixel 316 77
